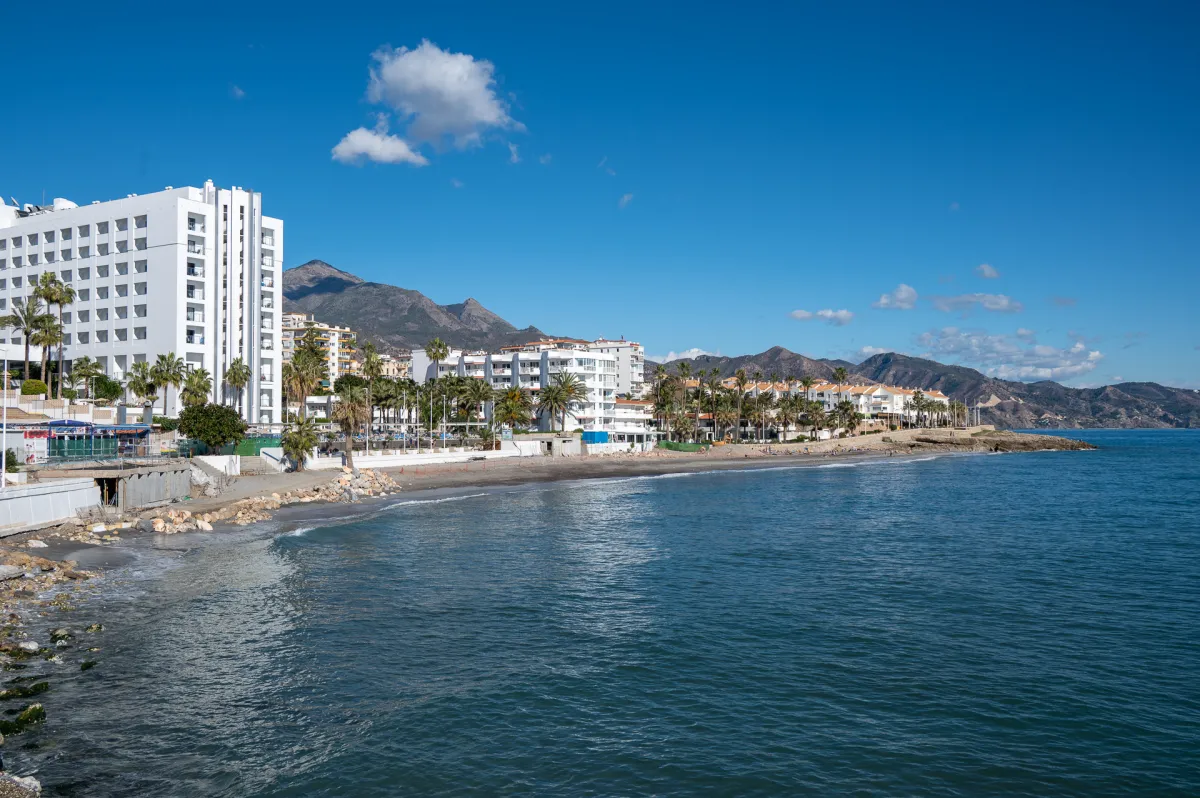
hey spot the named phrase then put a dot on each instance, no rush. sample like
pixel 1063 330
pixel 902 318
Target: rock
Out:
pixel 204 525
pixel 159 525
pixel 87 664
pixel 96 627
pixel 10 572
pixel 28 645
pixel 98 528
pixel 33 543
pixel 62 633
pixel 19 786
pixel 145 525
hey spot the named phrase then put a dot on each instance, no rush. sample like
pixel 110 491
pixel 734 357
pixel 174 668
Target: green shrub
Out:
pixel 168 424
pixel 213 425
pixel 10 461
pixel 106 389
pixel 893 428
pixel 34 388
pixel 70 394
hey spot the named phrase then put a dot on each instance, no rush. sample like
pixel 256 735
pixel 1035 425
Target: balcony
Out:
pixel 268 241
pixel 195 294
pixel 264 377
pixel 268 303
pixel 194 248
pixel 195 226
pixel 195 316
pixel 267 282
pixel 195 339
pixel 268 263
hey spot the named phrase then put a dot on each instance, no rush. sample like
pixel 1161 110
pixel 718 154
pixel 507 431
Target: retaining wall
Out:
pixel 39 504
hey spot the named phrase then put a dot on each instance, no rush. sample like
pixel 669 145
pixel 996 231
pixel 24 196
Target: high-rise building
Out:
pixel 190 271
pixel 631 365
pixel 338 343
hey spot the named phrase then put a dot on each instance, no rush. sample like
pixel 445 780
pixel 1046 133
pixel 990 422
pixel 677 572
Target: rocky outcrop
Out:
pixel 19 786
pixel 998 441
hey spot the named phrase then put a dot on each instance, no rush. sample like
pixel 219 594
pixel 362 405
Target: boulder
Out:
pixel 29 646
pixel 34 543
pixel 10 572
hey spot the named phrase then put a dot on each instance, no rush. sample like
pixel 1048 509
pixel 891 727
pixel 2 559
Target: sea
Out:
pixel 1008 624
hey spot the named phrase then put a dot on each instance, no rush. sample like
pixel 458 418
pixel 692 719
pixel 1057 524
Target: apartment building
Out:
pixel 631 365
pixel 533 366
pixel 396 367
pixel 338 343
pixel 191 271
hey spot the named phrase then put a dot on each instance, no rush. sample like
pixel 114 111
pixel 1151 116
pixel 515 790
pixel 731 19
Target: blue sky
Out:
pixel 831 178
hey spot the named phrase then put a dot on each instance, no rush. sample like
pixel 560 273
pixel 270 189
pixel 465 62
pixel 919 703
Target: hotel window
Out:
pixel 85 274
pixel 85 252
pixel 123 312
pixel 139 333
pixel 65 234
pixel 85 316
pixel 123 290
pixel 3 263
pixel 33 259
pixel 17 282
pixel 16 261
pixel 122 246
pixel 139 222
pixel 139 266
pixel 101 314
pixel 66 339
pixel 139 289
pixel 51 257
pixel 139 311
pixel 102 249
pixel 65 274
pixel 122 225
pixel 18 242
pixel 101 336
pixel 102 270
pixel 67 254
pixel 85 230
pixel 122 268
pixel 83 295
pixel 48 236
pixel 33 239
pixel 122 334
pixel 66 317
pixel 3 244
pixel 85 337
pixel 101 228
pixel 102 292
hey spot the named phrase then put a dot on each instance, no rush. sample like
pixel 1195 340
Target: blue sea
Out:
pixel 1018 624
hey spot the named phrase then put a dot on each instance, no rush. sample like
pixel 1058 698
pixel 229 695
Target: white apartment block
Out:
pixel 631 365
pixel 533 366
pixel 338 343
pixel 194 271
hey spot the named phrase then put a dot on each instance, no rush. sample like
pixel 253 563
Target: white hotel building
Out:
pixel 533 366
pixel 194 271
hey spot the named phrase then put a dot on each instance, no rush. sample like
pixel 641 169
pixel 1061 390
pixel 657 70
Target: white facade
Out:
pixel 338 343
pixel 194 271
pixel 534 366
pixel 631 365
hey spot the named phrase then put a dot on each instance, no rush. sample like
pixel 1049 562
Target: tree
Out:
pixel 438 350
pixel 216 426
pixel 814 414
pixel 299 440
pixel 807 383
pixel 140 381
pixel 25 318
pixel 61 295
pixel 168 370
pixel 918 403
pixel 34 388
pixel 237 377
pixel 741 381
pixel 840 375
pixel 107 389
pixel 351 411
pixel 847 415
pixel 196 387
pixel 372 369
pixel 46 335
pixel 513 408
pixel 86 371
pixel 787 414
pixel 574 392
pixel 475 394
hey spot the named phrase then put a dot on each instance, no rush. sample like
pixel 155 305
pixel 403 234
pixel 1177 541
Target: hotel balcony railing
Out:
pixel 264 377
pixel 268 304
pixel 195 249
pixel 267 282
pixel 194 227
pixel 193 271
pixel 195 317
pixel 268 263
pixel 268 241
pixel 195 339
pixel 195 296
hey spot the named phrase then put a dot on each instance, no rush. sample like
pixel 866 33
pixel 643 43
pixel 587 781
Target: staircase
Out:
pixel 254 464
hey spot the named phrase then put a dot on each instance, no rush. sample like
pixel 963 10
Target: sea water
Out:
pixel 1022 624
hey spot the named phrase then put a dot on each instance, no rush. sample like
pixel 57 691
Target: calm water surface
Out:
pixel 1005 625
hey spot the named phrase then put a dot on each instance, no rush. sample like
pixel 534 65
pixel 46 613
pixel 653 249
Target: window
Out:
pixel 51 257
pixel 18 242
pixel 85 338
pixel 122 334
pixel 65 234
pixel 122 246
pixel 85 230
pixel 17 282
pixel 139 222
pixel 3 244
pixel 139 289
pixel 33 259
pixel 48 237
pixel 122 225
pixel 3 283
pixel 122 268
pixel 139 266
pixel 66 317
pixel 101 336
pixel 85 274
pixel 123 290
pixel 139 311
pixel 66 339
pixel 101 228
pixel 67 254
pixel 17 261
pixel 102 270
pixel 139 334
pixel 33 239
pixel 3 263
pixel 65 274
pixel 102 292
pixel 102 249
pixel 85 252
pixel 139 243
pixel 101 314
pixel 83 295
pixel 85 316
pixel 123 312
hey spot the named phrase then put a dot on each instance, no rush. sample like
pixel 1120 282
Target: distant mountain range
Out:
pixel 395 318
pixel 400 318
pixel 1011 405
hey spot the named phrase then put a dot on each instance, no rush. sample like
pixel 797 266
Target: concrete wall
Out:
pixel 156 486
pixel 616 448
pixel 228 464
pixel 24 507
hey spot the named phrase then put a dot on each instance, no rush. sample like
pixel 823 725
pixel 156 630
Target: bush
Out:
pixel 10 461
pixel 70 394
pixel 105 389
pixel 168 424
pixel 34 388
pixel 215 426
pixel 893 428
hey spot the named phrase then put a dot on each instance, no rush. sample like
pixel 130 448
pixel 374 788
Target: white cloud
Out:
pixel 442 95
pixel 868 351
pixel 1027 335
pixel 513 155
pixel 625 200
pixel 903 298
pixel 685 354
pixel 376 145
pixel 997 303
pixel 1003 357
pixel 837 318
pixel 236 92
pixel 454 181
pixel 544 160
pixel 607 169
pixel 987 271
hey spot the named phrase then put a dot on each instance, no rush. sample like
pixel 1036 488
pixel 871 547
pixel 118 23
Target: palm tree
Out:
pixel 701 386
pixel 26 317
pixel 840 375
pixel 740 380
pixel 141 379
pixel 196 388
pixel 438 350
pixel 574 392
pixel 372 369
pixel 350 411
pixel 59 294
pixel 85 369
pixel 513 408
pixel 168 370
pixel 918 405
pixel 815 415
pixel 714 391
pixel 237 377
pixel 46 336
pixel 477 393
pixel 807 383
pixel 549 401
pixel 299 441
pixel 788 413
pixel 847 415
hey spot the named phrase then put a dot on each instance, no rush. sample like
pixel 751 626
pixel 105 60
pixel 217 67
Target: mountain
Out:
pixel 1008 405
pixel 394 318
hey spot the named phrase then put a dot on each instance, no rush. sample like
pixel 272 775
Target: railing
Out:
pixel 195 228
pixel 195 317
pixel 194 272
pixel 195 249
pixel 267 282
pixel 268 241
pixel 194 340
pixel 268 263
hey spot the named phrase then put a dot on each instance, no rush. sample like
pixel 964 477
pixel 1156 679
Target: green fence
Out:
pixel 81 448
pixel 682 447
pixel 247 447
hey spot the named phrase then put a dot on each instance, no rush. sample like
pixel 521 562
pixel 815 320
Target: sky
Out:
pixel 1014 188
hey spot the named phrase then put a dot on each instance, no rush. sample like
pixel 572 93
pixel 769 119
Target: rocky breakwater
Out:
pixel 351 486
pixel 994 441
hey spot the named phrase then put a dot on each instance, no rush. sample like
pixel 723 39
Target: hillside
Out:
pixel 1010 405
pixel 394 318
